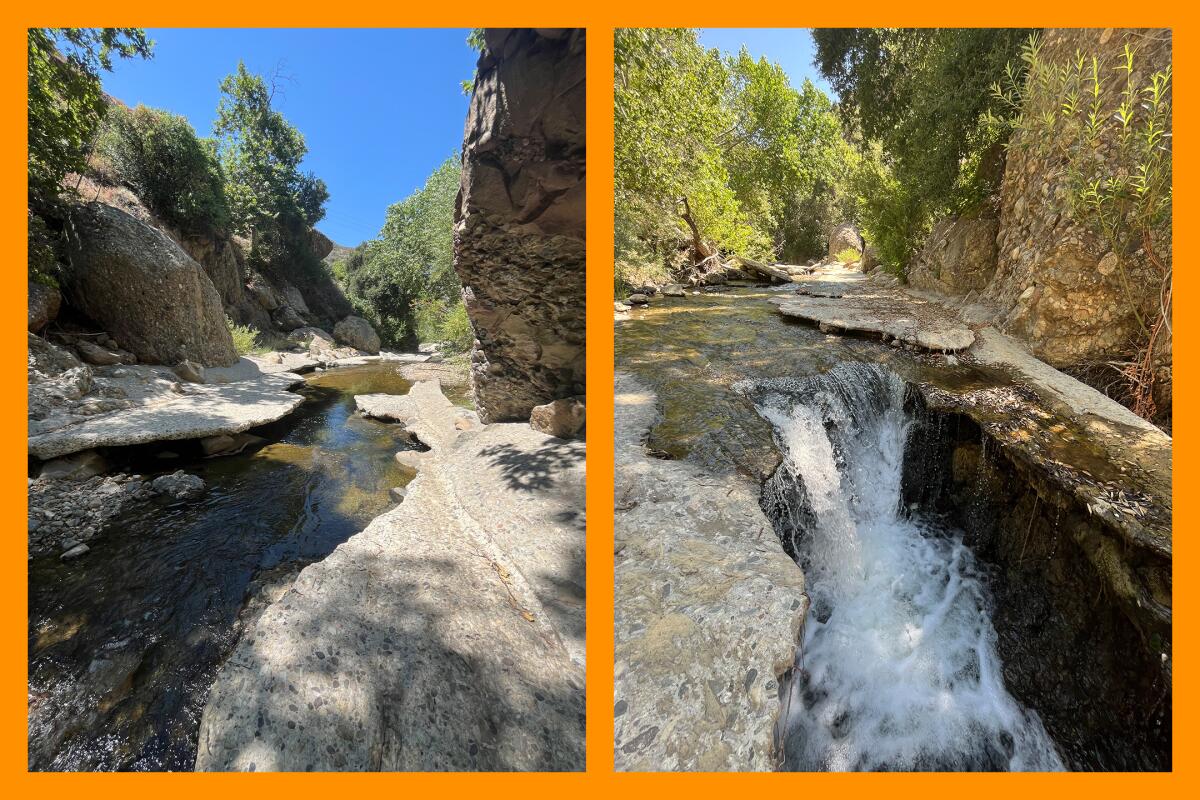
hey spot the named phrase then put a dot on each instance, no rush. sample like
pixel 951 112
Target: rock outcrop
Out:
pixel 844 236
pixel 958 257
pixel 1056 285
pixel 448 635
pixel 144 289
pixel 358 333
pixel 520 221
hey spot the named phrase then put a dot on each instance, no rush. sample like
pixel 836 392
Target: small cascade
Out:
pixel 899 667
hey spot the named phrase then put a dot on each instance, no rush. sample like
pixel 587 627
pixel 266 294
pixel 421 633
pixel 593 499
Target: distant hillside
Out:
pixel 338 252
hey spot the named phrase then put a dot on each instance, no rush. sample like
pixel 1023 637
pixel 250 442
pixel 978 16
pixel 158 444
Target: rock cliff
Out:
pixel 520 221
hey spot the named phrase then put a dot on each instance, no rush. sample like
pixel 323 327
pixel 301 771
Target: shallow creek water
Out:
pixel 125 643
pixel 899 669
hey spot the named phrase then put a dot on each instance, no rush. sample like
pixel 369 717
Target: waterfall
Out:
pixel 899 667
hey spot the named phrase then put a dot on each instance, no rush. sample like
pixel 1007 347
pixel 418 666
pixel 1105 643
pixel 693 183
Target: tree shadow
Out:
pixel 536 470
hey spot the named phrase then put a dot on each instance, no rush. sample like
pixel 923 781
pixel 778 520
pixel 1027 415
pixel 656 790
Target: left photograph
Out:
pixel 306 385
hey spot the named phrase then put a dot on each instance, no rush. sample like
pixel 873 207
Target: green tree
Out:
pixel 922 94
pixel 269 198
pixel 403 281
pixel 66 102
pixel 173 171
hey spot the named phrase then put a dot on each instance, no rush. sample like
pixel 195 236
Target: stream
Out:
pixel 899 668
pixel 125 643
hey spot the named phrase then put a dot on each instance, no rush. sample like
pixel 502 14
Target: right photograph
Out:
pixel 893 390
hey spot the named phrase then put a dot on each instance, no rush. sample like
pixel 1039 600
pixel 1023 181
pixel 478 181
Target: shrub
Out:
pixel 848 256
pixel 43 259
pixel 245 338
pixel 445 322
pixel 457 333
pixel 171 169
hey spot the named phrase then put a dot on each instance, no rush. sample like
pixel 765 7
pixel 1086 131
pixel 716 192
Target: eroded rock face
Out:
pixel 1056 283
pixel 520 221
pixel 43 305
pixel 959 256
pixel 144 289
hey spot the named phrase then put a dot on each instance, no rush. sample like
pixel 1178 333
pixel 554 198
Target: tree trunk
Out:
pixel 700 250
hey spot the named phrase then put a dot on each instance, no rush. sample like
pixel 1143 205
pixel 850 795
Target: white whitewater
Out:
pixel 899 662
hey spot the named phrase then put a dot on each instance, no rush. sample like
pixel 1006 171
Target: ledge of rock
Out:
pixel 708 609
pixel 447 635
pixel 151 404
pixel 868 315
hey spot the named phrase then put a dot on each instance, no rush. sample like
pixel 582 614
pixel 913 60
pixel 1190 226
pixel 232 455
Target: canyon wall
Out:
pixel 520 221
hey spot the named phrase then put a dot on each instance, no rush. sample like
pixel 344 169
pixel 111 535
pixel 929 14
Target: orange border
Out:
pixel 599 18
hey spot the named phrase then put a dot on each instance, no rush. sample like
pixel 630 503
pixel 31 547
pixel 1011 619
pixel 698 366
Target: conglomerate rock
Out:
pixel 520 221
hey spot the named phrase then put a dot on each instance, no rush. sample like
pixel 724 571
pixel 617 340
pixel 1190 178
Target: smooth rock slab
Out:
pixel 203 410
pixel 859 315
pixel 708 609
pixel 447 635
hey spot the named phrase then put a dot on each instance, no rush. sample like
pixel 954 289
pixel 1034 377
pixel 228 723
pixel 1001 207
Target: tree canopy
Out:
pixel 66 102
pixel 757 160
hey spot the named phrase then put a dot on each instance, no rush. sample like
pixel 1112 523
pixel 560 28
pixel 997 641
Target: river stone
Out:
pixel 446 636
pixel 75 467
pixel 99 356
pixel 75 552
pixel 358 333
pixel 144 289
pixel 179 485
pixel 848 313
pixel 562 418
pixel 44 302
pixel 520 221
pixel 673 290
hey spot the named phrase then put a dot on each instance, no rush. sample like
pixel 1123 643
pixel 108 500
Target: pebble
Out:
pixel 75 552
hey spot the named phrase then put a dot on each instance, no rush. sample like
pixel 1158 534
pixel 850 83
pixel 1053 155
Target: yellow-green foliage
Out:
pixel 445 322
pixel 848 256
pixel 245 338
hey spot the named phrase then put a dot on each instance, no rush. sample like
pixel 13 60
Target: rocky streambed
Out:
pixel 1033 506
pixel 126 641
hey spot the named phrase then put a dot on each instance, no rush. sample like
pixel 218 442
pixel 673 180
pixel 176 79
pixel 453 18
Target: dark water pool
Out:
pixel 125 642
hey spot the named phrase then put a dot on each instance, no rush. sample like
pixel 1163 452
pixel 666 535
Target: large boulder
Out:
pixel 358 333
pixel 520 221
pixel 959 256
pixel 842 237
pixel 144 289
pixel 321 244
pixel 44 302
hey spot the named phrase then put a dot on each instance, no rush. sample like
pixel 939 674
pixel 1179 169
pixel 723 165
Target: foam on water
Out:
pixel 899 662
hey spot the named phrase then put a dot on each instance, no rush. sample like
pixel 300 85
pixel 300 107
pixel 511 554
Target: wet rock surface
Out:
pixel 520 222
pixel 708 608
pixel 447 635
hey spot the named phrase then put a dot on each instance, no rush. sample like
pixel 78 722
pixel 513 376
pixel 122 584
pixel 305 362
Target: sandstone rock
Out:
pixel 320 244
pixel 263 293
pixel 75 467
pixel 562 418
pixel 842 237
pixel 870 258
pixel 189 371
pixel 144 289
pixel 959 256
pixel 99 356
pixel 288 319
pixel 358 333
pixel 44 302
pixel 397 493
pixel 179 485
pixel 519 228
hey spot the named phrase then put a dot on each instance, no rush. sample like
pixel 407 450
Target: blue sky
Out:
pixel 790 48
pixel 379 109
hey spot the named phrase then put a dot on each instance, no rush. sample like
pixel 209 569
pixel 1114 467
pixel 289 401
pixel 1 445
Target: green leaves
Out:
pixel 66 103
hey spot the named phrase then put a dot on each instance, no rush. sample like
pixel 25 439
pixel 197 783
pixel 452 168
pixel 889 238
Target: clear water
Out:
pixel 900 669
pixel 125 643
